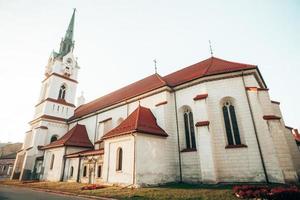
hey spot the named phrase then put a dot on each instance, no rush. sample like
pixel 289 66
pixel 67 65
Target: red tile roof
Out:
pixel 77 137
pixel 207 67
pixel 86 153
pixel 140 87
pixel 296 135
pixel 140 120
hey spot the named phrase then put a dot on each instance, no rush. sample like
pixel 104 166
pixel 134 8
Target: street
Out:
pixel 17 193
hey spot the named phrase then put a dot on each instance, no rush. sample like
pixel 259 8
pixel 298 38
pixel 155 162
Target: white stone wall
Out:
pixel 55 173
pixel 153 165
pixel 291 143
pixel 233 164
pixel 110 174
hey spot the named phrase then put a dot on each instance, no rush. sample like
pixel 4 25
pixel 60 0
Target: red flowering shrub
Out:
pixel 280 193
pixel 92 187
pixel 263 192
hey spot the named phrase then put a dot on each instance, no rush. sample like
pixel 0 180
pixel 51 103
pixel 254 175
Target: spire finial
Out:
pixel 211 51
pixel 67 43
pixel 69 33
pixel 155 67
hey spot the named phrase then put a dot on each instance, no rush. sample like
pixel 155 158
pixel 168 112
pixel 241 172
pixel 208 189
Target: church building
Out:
pixel 209 122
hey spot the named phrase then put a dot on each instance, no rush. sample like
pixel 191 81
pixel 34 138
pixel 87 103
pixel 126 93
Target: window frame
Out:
pixel 84 173
pixel 233 134
pixel 52 161
pixel 99 175
pixel 71 171
pixel 62 92
pixel 119 161
pixel 189 130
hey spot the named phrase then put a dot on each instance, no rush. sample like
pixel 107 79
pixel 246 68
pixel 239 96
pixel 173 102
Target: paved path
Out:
pixel 18 193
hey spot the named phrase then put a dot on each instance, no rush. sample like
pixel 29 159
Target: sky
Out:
pixel 116 42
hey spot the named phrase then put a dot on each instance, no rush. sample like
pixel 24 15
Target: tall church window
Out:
pixel 71 171
pixel 231 125
pixel 119 159
pixel 84 171
pixel 189 129
pixel 99 172
pixel 62 92
pixel 52 161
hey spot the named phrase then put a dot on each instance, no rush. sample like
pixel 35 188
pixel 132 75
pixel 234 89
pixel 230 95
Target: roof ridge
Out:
pixel 72 130
pixel 233 62
pixel 119 89
pixel 210 64
pixel 161 78
pixel 137 117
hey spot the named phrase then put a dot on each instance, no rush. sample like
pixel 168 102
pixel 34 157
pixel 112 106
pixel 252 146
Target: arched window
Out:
pixel 84 171
pixel 232 129
pixel 99 172
pixel 189 129
pixel 71 171
pixel 119 159
pixel 52 161
pixel 62 92
pixel 53 138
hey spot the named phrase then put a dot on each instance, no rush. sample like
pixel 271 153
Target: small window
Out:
pixel 189 130
pixel 71 171
pixel 52 161
pixel 231 125
pixel 119 159
pixel 62 92
pixel 53 138
pixel 99 172
pixel 84 171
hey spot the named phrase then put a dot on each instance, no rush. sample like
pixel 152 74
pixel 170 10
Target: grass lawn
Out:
pixel 171 191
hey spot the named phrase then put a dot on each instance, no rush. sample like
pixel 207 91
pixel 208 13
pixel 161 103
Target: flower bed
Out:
pixel 268 193
pixel 92 187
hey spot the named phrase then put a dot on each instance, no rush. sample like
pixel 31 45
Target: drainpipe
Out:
pixel 78 171
pixel 108 160
pixel 255 130
pixel 178 142
pixel 134 159
pixel 63 166
pixel 95 129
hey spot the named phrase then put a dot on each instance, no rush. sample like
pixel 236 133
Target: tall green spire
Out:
pixel 69 33
pixel 67 42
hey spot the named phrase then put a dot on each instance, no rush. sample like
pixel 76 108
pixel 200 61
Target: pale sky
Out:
pixel 116 42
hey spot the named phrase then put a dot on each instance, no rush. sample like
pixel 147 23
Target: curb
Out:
pixel 63 193
pixel 71 194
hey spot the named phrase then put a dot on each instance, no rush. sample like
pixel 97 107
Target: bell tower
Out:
pixel 58 91
pixel 55 105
